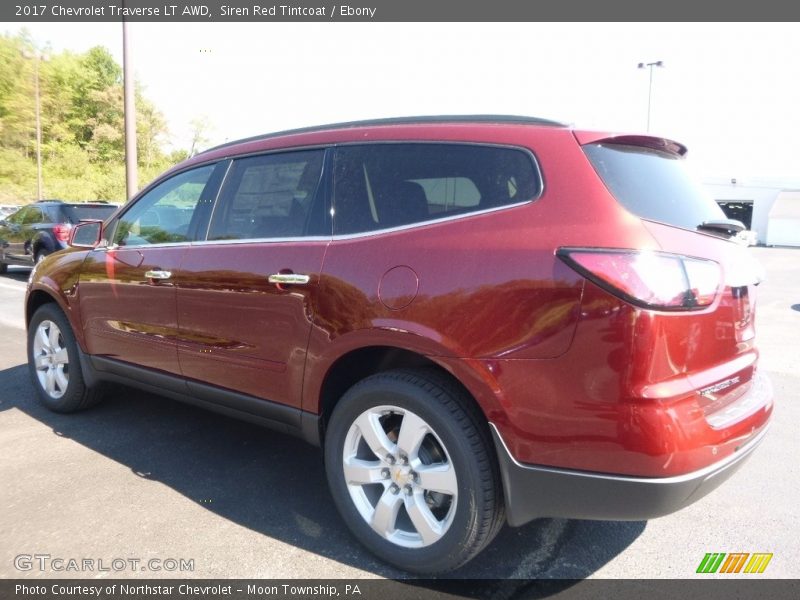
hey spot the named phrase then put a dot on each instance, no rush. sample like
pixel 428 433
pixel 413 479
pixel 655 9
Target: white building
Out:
pixel 769 207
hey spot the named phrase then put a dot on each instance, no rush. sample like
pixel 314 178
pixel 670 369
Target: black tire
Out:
pixel 3 268
pixel 63 398
pixel 456 441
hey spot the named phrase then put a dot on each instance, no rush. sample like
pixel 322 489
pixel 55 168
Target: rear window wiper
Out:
pixel 729 226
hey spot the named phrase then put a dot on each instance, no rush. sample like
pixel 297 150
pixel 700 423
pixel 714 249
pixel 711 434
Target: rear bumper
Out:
pixel 533 492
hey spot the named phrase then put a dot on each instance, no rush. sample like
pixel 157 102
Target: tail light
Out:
pixel 656 280
pixel 61 231
pixel 743 313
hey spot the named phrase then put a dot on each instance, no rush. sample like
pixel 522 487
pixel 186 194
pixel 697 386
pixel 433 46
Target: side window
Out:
pixel 268 196
pixel 379 186
pixel 19 217
pixel 163 214
pixel 32 216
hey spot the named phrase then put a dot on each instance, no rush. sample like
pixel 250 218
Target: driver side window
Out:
pixel 163 215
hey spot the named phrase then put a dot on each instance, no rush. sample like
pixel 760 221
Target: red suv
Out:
pixel 480 319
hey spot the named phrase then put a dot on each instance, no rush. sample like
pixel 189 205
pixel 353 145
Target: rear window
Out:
pixel 75 214
pixel 653 185
pixel 380 186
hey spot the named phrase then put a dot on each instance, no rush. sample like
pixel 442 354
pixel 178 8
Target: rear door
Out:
pixel 245 295
pixel 127 290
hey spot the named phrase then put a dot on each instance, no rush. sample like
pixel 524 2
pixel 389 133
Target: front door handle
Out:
pixel 289 278
pixel 158 274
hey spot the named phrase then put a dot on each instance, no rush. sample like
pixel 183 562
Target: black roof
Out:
pixel 501 119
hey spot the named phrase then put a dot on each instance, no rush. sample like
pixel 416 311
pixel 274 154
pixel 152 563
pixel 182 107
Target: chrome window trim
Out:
pixel 115 247
pixel 371 233
pixel 374 232
pixel 283 240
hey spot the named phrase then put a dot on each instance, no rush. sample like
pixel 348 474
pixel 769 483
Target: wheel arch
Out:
pixel 360 363
pixel 42 295
pixel 42 240
pixel 35 300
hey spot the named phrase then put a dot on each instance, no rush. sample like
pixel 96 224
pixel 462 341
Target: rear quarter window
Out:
pixel 380 186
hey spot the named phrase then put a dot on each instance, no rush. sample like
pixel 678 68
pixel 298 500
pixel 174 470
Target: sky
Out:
pixel 728 91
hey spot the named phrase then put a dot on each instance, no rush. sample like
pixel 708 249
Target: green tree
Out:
pixel 82 122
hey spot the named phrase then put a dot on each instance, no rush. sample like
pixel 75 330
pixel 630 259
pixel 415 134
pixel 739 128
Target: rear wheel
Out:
pixel 3 268
pixel 411 471
pixel 54 362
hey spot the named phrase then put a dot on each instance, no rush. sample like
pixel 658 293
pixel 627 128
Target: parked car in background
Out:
pixel 41 228
pixel 7 209
pixel 480 319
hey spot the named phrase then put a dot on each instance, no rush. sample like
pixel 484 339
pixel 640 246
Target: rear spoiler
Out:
pixel 644 141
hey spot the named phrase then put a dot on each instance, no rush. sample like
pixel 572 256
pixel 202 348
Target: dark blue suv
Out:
pixel 36 230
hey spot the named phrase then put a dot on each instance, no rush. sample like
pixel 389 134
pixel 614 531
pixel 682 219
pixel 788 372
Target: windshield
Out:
pixel 653 185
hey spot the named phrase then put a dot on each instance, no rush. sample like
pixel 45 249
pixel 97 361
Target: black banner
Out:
pixel 261 11
pixel 713 588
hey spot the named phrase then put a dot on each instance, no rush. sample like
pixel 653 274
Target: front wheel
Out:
pixel 54 362
pixel 410 469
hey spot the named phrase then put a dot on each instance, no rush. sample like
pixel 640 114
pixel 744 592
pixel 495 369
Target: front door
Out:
pixel 127 289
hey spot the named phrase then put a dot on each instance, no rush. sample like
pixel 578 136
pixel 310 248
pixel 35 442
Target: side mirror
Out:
pixel 86 234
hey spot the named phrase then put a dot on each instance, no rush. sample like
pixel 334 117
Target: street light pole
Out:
pixel 658 63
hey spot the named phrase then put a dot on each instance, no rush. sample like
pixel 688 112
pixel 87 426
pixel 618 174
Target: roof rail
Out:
pixel 501 119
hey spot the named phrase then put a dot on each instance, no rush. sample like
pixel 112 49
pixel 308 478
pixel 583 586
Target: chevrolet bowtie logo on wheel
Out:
pixel 737 562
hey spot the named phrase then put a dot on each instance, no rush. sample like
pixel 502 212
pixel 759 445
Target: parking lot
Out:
pixel 159 485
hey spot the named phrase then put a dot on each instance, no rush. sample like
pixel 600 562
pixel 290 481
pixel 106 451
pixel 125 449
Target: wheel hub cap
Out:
pixel 51 359
pixel 399 476
pixel 402 475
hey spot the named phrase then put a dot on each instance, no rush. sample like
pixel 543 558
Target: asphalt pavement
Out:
pixel 148 487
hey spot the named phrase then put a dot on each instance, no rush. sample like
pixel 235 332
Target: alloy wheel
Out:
pixel 400 476
pixel 51 359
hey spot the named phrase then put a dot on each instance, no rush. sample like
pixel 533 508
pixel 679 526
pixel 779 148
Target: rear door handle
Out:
pixel 289 278
pixel 158 274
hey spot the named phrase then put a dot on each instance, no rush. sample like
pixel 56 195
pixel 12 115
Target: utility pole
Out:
pixel 37 58
pixel 131 170
pixel 39 182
